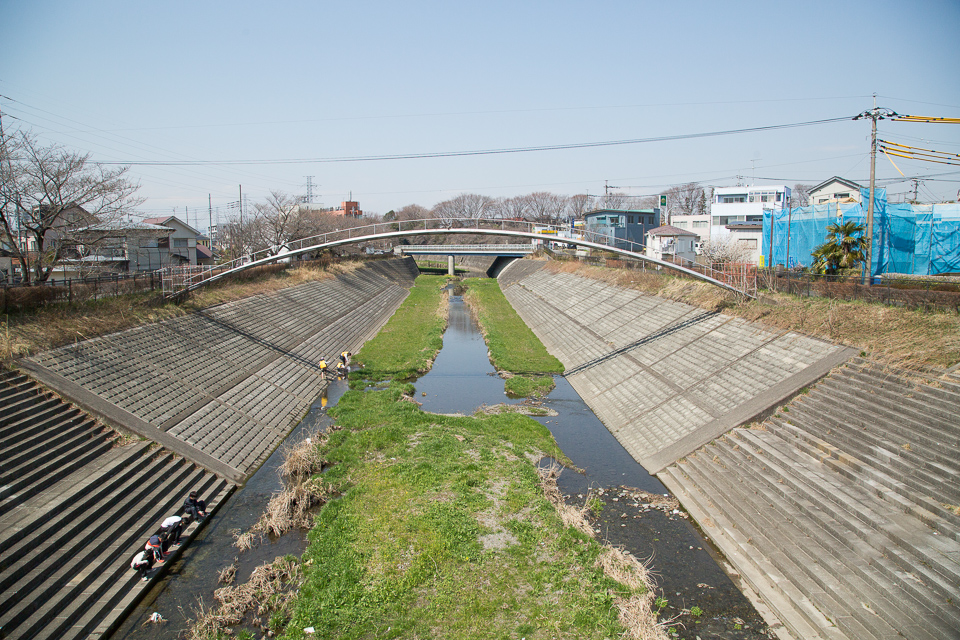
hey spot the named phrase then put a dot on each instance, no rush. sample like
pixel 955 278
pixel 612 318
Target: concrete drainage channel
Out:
pixel 193 578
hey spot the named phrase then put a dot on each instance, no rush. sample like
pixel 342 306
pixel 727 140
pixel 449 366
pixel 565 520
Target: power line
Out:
pixel 453 154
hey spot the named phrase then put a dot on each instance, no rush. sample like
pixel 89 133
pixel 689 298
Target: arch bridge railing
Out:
pixel 178 280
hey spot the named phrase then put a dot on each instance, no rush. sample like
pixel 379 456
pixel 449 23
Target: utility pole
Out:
pixel 874 115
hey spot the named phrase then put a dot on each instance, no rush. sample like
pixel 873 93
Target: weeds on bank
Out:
pixel 894 336
pixel 59 324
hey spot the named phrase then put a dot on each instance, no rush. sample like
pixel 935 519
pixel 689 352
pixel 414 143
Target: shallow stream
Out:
pixel 462 380
pixel 648 523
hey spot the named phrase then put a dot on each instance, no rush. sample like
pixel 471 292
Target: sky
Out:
pixel 263 97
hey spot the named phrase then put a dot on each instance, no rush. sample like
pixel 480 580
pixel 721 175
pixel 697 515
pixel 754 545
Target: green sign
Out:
pixel 663 201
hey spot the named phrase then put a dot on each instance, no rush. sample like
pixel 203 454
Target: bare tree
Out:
pixel 516 208
pixel 48 195
pixel 687 199
pixel 577 205
pixel 800 195
pixel 279 220
pixel 466 206
pixel 615 200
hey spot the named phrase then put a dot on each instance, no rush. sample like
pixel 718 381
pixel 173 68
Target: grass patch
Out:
pixel 443 529
pixel 513 346
pixel 528 386
pixel 409 342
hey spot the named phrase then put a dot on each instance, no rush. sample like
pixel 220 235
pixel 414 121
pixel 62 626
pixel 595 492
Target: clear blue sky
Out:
pixel 226 81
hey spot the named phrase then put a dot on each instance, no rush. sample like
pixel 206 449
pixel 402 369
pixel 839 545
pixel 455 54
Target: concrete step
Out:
pixel 88 547
pixel 792 608
pixel 870 473
pixel 857 434
pixel 934 397
pixel 936 415
pixel 30 414
pixel 836 566
pixel 33 476
pixel 784 572
pixel 103 591
pixel 873 539
pixel 896 412
pixel 13 445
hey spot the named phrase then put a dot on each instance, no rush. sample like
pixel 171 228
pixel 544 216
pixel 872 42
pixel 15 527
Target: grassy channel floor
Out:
pixel 513 346
pixel 442 527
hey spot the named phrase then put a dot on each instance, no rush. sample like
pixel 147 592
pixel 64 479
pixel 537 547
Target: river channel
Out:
pixel 638 513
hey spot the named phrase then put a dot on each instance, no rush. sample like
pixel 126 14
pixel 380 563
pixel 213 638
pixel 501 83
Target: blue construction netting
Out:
pixel 917 239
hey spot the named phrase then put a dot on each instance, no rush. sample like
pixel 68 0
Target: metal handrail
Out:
pixel 178 280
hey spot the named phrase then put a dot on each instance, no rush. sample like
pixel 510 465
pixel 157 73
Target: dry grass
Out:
pixel 892 336
pixel 270 589
pixel 636 612
pixel 61 324
pixel 291 508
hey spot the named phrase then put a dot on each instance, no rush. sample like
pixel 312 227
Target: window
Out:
pixel 732 199
pixel 630 219
pixel 180 243
pixel 614 219
pixel 699 224
pixel 748 243
pixel 148 243
pixel 841 195
pixel 680 225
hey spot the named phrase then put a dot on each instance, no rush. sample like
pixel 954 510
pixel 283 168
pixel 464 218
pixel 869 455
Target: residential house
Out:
pixel 627 227
pixel 748 236
pixel 836 189
pixel 668 243
pixel 180 248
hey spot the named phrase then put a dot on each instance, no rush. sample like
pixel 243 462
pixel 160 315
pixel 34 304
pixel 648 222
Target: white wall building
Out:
pixel 732 205
pixel 668 241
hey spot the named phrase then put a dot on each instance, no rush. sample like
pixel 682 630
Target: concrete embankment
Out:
pixel 218 390
pixel 836 511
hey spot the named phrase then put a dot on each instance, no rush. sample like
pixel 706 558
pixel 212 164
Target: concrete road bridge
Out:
pixel 179 280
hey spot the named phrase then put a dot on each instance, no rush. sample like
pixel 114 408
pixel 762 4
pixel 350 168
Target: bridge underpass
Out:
pixel 451 251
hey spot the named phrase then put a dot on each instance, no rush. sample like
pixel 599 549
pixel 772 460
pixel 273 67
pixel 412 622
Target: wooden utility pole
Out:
pixel 874 115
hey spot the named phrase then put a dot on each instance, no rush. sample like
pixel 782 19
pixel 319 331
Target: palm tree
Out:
pixel 844 248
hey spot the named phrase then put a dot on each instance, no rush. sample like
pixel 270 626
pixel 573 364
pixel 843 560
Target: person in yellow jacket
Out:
pixel 323 366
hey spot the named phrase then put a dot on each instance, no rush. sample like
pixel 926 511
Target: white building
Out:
pixel 697 224
pixel 667 242
pixel 732 205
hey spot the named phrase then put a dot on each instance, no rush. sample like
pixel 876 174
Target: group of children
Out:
pixel 342 367
pixel 155 550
